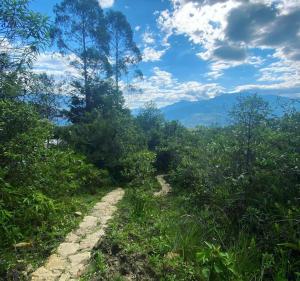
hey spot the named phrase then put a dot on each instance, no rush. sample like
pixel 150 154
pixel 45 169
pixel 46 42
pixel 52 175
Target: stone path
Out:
pixel 165 187
pixel 72 256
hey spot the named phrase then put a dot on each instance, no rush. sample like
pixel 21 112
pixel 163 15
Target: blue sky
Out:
pixel 198 49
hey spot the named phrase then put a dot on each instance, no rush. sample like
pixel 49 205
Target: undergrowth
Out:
pixel 168 239
pixel 14 263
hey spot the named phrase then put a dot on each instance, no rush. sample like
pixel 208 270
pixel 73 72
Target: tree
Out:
pixel 103 98
pixel 249 114
pixel 105 140
pixel 81 33
pixel 22 34
pixel 123 49
pixel 43 95
pixel 151 121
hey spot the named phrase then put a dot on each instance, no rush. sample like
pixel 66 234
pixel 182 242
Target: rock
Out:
pixel 171 255
pixel 64 277
pixel 78 214
pixel 80 259
pixel 67 249
pixel 91 240
pixel 43 274
pixel 88 225
pixel 23 245
pixel 72 238
pixel 56 263
pixel 29 268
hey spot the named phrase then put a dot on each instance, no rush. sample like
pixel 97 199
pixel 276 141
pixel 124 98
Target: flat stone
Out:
pixel 105 219
pixel 88 225
pixel 67 249
pixel 72 238
pixel 43 274
pixel 76 270
pixel 78 214
pixel 64 277
pixel 89 222
pixel 23 245
pixel 81 258
pixel 91 240
pixel 56 263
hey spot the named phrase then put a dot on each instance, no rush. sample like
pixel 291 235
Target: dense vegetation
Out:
pixel 234 213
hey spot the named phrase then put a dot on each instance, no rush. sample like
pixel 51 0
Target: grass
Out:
pixel 167 239
pixel 156 240
pixel 14 261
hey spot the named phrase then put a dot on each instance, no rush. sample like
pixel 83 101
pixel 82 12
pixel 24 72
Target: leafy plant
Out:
pixel 216 265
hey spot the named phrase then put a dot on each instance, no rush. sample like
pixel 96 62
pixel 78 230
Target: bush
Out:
pixel 216 265
pixel 34 176
pixel 139 167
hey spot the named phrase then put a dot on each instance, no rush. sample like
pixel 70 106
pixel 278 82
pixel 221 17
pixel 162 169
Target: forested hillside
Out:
pixel 215 111
pixel 233 213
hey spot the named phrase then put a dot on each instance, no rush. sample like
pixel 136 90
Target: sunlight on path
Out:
pixel 72 256
pixel 165 187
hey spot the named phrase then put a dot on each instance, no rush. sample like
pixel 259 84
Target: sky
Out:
pixel 199 49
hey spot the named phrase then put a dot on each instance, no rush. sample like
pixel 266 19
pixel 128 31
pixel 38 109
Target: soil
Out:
pixel 123 266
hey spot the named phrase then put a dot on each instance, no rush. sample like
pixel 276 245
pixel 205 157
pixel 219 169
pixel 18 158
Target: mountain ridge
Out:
pixel 215 111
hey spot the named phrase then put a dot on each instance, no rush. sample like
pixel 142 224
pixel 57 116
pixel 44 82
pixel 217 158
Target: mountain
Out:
pixel 215 111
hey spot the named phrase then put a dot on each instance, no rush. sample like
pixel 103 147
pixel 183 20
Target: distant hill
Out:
pixel 215 111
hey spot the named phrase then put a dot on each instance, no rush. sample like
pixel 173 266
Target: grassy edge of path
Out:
pixel 146 240
pixel 16 263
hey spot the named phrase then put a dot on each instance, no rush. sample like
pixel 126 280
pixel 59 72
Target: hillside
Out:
pixel 215 111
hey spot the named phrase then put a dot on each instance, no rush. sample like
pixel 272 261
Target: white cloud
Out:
pixel 148 38
pixel 153 46
pixel 151 54
pixel 164 89
pixel 137 28
pixel 56 65
pixel 106 3
pixel 228 30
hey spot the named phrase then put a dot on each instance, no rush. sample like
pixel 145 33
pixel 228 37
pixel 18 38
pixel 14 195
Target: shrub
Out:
pixel 138 167
pixel 34 176
pixel 216 265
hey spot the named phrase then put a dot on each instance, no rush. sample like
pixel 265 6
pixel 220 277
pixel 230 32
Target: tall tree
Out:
pixel 22 34
pixel 123 50
pixel 81 33
pixel 151 121
pixel 249 114
pixel 43 94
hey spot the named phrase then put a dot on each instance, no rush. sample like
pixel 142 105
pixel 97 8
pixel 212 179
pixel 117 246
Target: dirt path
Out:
pixel 72 256
pixel 165 187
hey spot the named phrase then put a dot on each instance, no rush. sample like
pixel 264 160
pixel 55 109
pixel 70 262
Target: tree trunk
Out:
pixel 85 68
pixel 117 61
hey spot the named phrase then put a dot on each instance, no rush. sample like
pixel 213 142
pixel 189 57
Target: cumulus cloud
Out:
pixel 153 46
pixel 56 65
pixel 164 89
pixel 151 54
pixel 228 31
pixel 232 53
pixel 106 3
pixel 148 38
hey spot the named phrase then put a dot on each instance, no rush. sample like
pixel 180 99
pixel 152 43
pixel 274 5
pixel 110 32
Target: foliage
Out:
pixel 53 172
pixel 80 31
pixel 216 265
pixel 246 176
pixel 123 50
pixel 105 140
pixel 138 167
pixel 43 94
pixel 23 33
